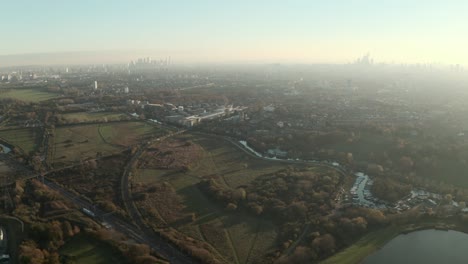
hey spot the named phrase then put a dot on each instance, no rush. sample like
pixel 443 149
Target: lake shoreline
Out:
pixel 375 240
pixel 429 240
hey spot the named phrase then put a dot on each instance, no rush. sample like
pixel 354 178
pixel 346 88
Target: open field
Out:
pixel 218 158
pixel 72 143
pixel 92 117
pixel 24 138
pixel 128 133
pixel 28 95
pixel 251 236
pixel 85 250
pixel 238 237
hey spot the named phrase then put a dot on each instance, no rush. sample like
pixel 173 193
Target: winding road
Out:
pixel 165 248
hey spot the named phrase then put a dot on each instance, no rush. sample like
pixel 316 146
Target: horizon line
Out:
pixel 126 57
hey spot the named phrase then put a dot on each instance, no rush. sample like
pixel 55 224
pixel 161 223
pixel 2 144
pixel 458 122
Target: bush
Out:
pixel 231 207
pixel 140 196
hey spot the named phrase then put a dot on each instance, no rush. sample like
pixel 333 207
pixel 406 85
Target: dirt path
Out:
pixel 207 242
pixel 104 140
pixel 236 256
pixel 215 166
pixel 254 242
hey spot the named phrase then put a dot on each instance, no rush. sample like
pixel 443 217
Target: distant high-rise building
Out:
pixel 126 90
pixel 95 85
pixel 66 70
pixel 365 60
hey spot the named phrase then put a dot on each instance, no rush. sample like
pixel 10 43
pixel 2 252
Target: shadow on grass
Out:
pixel 196 202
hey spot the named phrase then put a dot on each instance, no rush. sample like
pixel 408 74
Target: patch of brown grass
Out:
pixel 172 154
pixel 167 203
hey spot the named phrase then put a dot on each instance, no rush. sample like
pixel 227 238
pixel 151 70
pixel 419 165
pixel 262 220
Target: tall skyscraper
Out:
pixel 95 85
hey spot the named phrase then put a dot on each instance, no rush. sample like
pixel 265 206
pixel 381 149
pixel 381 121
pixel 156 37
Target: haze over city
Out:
pixel 234 132
pixel 297 31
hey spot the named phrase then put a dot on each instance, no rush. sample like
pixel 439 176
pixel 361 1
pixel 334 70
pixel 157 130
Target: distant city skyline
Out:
pixel 208 31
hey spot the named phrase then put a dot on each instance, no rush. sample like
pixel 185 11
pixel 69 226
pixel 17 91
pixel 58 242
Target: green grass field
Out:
pixel 24 138
pixel 127 133
pixel 28 95
pixel 219 157
pixel 92 117
pixel 72 143
pixel 251 236
pixel 84 250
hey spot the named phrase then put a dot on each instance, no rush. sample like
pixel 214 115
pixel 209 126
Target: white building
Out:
pixel 95 85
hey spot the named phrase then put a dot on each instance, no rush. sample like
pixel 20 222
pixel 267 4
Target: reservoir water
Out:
pixel 427 247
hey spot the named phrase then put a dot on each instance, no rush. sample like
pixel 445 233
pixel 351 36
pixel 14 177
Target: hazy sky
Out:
pixel 240 30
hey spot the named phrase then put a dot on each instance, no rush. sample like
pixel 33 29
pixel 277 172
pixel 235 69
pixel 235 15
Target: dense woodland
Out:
pixel 398 155
pixel 296 197
pixel 52 222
